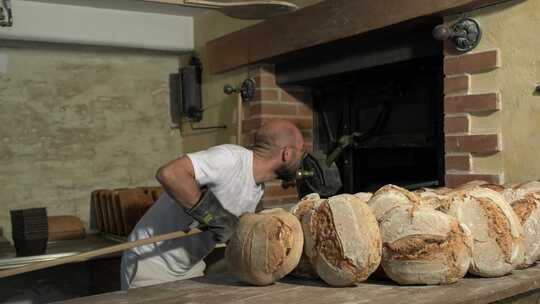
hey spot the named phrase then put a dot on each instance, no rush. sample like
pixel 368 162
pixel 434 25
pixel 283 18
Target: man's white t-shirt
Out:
pixel 227 170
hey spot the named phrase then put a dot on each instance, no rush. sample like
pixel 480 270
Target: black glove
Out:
pixel 213 217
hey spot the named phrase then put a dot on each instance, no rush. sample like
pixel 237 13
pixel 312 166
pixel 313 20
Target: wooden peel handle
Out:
pixel 95 253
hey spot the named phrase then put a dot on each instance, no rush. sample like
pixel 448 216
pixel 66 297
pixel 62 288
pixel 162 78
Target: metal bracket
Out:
pixel 465 34
pixel 6 14
pixel 246 90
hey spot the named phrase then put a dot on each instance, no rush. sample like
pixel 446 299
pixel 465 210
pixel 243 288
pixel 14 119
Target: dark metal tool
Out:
pixel 317 175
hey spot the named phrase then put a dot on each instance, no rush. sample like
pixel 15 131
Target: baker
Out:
pixel 209 189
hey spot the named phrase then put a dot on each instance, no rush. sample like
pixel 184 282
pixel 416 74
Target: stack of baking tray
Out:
pixel 117 211
pixel 29 231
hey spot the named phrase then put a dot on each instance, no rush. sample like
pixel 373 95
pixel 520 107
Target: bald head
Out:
pixel 277 134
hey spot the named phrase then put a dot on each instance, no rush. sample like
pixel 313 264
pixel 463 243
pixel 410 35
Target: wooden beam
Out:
pixel 322 23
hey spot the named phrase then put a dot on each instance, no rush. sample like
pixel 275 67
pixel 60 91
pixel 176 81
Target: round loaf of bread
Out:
pixel 265 246
pixel 424 246
pixel 304 269
pixel 342 240
pixel 524 199
pixel 495 228
pixel 390 197
pixel 526 206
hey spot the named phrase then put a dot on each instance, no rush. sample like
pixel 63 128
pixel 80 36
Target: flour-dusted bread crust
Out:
pixel 364 196
pixel 495 227
pixel 436 198
pixel 524 199
pixel 508 193
pixel 265 247
pixel 529 186
pixel 304 269
pixel 305 204
pixel 424 246
pixel 390 197
pixel 527 210
pixel 342 240
pixel 519 190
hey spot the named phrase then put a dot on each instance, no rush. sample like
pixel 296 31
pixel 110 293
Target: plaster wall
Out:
pixel 511 27
pixel 76 120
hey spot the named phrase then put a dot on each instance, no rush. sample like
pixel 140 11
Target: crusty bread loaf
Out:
pixel 508 193
pixel 525 199
pixel 531 186
pixel 265 246
pixel 364 196
pixel 304 269
pixel 305 204
pixel 436 198
pixel 527 209
pixel 424 246
pixel 495 227
pixel 390 197
pixel 342 240
pixel 519 190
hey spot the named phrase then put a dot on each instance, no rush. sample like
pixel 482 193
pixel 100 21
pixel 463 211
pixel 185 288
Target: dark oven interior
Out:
pixel 389 121
pixel 380 100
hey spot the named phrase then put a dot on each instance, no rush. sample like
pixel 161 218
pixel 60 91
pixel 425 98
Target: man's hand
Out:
pixel 213 217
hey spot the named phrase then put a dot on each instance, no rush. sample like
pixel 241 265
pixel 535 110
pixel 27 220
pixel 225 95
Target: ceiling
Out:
pixel 131 5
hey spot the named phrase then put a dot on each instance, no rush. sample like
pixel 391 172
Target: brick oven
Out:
pixel 415 111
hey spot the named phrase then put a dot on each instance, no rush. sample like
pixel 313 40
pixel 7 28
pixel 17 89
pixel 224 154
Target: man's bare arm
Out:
pixel 178 179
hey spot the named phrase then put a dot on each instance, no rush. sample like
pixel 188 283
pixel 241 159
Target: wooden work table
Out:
pixel 62 282
pixel 522 286
pixel 56 250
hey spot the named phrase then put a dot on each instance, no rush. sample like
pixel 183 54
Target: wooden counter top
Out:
pixel 55 250
pixel 224 289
